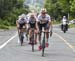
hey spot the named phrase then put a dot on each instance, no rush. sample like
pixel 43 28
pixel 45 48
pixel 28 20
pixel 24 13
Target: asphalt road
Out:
pixel 61 47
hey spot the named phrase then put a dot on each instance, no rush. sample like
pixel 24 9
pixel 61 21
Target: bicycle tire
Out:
pixel 43 52
pixel 43 45
pixel 32 39
pixel 43 48
pixel 21 38
pixel 32 44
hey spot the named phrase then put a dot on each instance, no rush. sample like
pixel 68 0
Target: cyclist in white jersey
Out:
pixel 21 22
pixel 44 20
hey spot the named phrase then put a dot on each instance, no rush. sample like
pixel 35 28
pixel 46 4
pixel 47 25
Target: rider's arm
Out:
pixel 37 23
pixel 17 24
pixel 50 24
pixel 37 26
pixel 39 18
pixel 51 27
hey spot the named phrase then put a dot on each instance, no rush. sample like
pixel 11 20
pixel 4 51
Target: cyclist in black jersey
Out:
pixel 32 21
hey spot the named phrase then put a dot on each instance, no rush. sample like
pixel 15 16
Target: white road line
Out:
pixel 67 43
pixel 3 45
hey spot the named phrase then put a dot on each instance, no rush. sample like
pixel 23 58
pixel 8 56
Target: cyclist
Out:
pixel 64 23
pixel 21 23
pixel 44 20
pixel 33 24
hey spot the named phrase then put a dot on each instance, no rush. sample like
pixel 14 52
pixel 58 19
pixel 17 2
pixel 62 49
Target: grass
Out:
pixel 72 26
pixel 6 27
pixel 55 22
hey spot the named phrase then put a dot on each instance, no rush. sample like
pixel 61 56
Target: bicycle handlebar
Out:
pixel 45 31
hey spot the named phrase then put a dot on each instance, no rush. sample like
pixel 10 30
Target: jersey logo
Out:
pixel 43 21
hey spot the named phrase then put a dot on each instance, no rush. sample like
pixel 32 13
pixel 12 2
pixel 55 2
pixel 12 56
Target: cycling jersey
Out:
pixel 22 20
pixel 32 22
pixel 43 20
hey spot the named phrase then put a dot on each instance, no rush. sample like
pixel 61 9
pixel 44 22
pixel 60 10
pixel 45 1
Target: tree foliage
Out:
pixel 58 8
pixel 10 10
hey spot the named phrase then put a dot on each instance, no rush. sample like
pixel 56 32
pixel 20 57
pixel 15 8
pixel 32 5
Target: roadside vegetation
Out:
pixel 59 8
pixel 9 12
pixel 11 9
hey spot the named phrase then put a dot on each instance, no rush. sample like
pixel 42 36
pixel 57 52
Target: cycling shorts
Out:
pixel 45 25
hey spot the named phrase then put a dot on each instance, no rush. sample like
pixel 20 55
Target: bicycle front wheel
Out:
pixel 21 37
pixel 43 47
pixel 32 40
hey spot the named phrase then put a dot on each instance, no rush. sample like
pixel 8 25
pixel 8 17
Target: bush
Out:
pixel 13 15
pixel 6 23
pixel 4 27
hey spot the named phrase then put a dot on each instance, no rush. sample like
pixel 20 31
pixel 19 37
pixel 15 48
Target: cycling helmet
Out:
pixel 43 10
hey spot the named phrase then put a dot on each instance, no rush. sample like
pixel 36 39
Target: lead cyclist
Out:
pixel 44 21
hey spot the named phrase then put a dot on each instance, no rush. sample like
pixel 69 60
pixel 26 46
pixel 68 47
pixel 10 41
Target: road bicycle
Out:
pixel 43 41
pixel 21 35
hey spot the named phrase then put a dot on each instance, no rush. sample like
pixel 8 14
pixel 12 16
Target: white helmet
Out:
pixel 23 16
pixel 43 10
pixel 64 16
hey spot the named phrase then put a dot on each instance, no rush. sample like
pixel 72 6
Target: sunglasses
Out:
pixel 44 13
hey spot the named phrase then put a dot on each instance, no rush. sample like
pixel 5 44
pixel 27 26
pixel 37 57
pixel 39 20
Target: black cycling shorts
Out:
pixel 45 25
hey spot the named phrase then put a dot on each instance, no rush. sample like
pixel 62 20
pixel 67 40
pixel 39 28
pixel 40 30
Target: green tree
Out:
pixel 72 8
pixel 53 8
pixel 58 8
pixel 10 10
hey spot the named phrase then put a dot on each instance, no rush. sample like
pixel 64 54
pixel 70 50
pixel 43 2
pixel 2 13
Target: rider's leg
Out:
pixel 29 36
pixel 40 28
pixel 35 36
pixel 27 33
pixel 40 46
pixel 40 38
pixel 47 30
pixel 21 36
pixel 47 37
pixel 47 34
